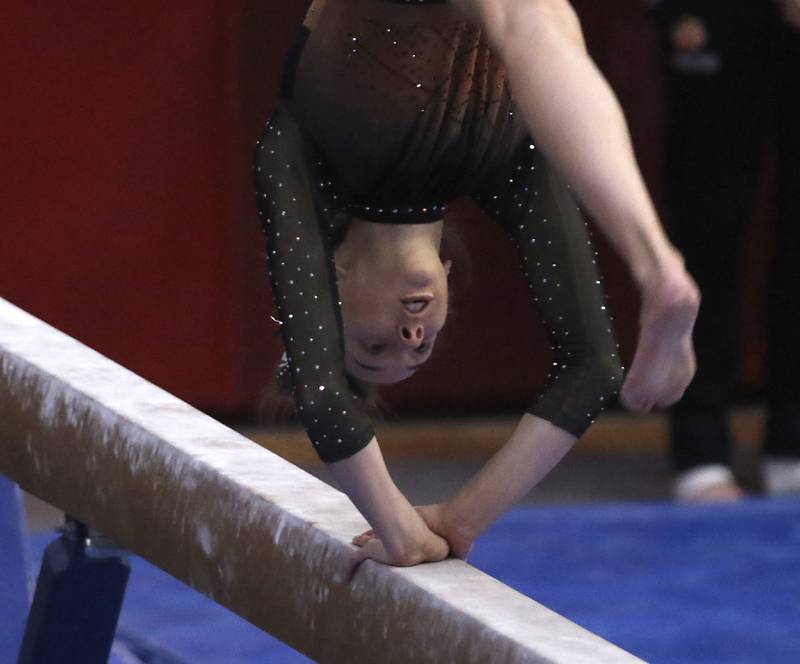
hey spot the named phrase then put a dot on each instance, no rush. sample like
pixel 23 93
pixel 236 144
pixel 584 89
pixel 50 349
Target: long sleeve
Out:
pixel 542 218
pixel 292 206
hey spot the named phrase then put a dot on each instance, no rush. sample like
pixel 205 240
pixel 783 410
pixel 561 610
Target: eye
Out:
pixel 375 349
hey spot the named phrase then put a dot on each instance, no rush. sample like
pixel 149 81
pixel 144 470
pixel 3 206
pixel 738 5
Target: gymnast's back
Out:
pixel 387 112
pixel 405 100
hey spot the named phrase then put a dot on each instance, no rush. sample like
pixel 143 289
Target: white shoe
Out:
pixel 782 475
pixel 713 482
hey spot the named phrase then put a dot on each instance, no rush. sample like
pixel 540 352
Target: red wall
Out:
pixel 128 217
pixel 125 164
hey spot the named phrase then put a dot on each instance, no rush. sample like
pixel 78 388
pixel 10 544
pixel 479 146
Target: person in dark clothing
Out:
pixel 782 444
pixel 719 88
pixel 387 112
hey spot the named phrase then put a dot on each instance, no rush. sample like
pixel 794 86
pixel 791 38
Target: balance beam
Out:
pixel 240 524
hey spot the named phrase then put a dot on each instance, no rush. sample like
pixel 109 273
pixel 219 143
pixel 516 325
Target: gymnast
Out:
pixel 387 111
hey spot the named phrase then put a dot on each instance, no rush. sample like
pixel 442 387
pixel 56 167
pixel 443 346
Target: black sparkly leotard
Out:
pixel 387 112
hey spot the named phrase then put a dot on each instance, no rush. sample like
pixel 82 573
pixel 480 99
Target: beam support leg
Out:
pixel 77 601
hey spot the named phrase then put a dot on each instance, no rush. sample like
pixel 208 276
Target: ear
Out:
pixel 341 272
pixel 447 265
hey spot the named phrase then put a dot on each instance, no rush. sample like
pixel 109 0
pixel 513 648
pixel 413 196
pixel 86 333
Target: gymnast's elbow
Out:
pixel 579 388
pixel 334 425
pixel 599 374
pixel 598 365
pixel 608 373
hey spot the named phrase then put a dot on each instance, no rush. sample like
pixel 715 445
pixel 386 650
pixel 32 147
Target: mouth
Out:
pixel 416 304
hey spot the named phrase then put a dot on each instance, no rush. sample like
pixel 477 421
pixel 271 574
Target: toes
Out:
pixel 637 404
pixel 670 400
pixel 632 399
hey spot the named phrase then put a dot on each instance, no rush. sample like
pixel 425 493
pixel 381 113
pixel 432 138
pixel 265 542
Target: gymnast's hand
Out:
pixel 419 545
pixel 460 541
pixel 458 536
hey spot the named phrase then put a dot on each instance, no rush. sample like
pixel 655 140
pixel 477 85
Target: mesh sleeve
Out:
pixel 291 204
pixel 542 218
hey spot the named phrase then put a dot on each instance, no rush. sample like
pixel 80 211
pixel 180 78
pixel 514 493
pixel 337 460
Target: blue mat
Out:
pixel 163 621
pixel 671 584
pixel 13 571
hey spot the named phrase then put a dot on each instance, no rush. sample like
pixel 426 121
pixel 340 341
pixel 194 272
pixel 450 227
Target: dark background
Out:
pixel 128 212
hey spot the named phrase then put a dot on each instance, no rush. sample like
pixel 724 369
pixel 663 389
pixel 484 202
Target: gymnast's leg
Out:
pixel 578 123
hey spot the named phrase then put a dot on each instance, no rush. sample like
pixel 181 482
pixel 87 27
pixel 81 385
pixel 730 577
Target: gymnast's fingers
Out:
pixel 363 538
pixel 371 550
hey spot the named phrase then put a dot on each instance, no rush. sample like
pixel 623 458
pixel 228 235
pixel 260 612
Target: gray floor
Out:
pixel 579 478
pixel 582 477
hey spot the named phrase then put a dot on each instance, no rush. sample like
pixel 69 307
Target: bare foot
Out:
pixel 664 362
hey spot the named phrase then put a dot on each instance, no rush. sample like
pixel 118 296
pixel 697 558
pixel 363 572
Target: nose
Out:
pixel 412 334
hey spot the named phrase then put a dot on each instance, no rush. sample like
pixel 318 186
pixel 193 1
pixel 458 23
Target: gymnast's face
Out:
pixel 391 318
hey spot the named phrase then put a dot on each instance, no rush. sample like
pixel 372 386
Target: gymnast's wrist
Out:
pixel 458 523
pixel 407 537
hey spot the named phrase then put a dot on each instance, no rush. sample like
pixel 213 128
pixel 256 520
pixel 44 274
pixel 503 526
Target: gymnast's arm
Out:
pixel 301 272
pixel 541 216
pixel 533 450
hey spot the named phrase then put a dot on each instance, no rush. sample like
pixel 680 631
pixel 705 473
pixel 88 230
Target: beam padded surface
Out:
pixel 240 524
